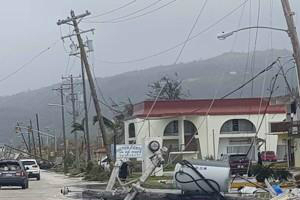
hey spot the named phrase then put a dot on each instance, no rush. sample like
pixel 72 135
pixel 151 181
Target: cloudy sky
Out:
pixel 138 29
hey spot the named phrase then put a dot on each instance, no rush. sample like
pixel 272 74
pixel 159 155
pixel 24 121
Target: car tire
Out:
pixel 25 185
pixel 38 177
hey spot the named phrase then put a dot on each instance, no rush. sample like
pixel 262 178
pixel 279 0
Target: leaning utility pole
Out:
pixel 38 133
pixel 32 135
pixel 296 53
pixel 18 129
pixel 61 91
pixel 73 19
pixel 86 117
pixel 292 34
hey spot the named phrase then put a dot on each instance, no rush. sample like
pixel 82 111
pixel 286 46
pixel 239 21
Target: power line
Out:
pixel 251 80
pixel 255 45
pixel 248 49
pixel 29 62
pixel 127 15
pixel 191 31
pixel 179 44
pixel 134 17
pixel 112 10
pixel 238 27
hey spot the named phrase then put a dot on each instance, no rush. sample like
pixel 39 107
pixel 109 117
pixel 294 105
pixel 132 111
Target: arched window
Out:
pixel 189 128
pixel 238 126
pixel 131 130
pixel 171 129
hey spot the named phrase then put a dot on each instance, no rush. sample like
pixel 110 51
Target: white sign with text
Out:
pixel 129 151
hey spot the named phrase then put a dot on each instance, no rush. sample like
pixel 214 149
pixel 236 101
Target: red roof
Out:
pixel 240 106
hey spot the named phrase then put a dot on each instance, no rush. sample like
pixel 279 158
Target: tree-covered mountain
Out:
pixel 209 78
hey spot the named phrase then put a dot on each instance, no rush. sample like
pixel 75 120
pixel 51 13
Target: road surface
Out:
pixel 48 188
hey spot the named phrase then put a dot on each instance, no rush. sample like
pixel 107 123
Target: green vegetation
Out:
pixel 95 172
pixel 262 172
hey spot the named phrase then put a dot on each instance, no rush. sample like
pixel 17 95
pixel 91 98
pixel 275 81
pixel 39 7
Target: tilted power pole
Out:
pixel 38 133
pixel 86 116
pixel 296 53
pixel 32 135
pixel 83 55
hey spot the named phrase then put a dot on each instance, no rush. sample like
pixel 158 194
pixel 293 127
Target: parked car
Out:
pixel 268 156
pixel 13 173
pixel 239 163
pixel 32 168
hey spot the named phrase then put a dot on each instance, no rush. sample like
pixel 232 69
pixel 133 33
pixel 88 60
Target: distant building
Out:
pixel 205 128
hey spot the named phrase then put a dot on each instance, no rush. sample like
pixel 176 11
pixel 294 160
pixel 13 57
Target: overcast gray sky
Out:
pixel 29 26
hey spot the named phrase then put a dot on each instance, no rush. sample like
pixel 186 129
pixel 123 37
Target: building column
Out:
pixel 181 133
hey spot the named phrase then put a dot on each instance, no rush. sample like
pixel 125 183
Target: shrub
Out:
pixel 96 173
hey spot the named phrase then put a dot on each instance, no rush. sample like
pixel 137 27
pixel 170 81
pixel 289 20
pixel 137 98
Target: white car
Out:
pixel 32 168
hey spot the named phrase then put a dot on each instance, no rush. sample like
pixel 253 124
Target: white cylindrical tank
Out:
pixel 216 172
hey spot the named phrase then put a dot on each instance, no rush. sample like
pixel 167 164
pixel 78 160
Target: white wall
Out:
pixel 206 125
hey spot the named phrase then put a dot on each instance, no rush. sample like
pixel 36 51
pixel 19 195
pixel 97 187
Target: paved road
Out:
pixel 48 188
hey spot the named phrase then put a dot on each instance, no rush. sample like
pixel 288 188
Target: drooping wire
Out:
pixel 179 44
pixel 265 111
pixel 238 27
pixel 248 48
pixel 251 79
pixel 112 10
pixel 176 59
pixel 29 62
pixel 137 16
pixel 254 49
pixel 127 15
pixel 191 31
pixel 103 101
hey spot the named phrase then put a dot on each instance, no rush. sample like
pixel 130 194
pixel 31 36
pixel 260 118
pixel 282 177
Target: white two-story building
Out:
pixel 206 127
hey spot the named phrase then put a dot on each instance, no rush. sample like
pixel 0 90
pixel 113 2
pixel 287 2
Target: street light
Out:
pixel 224 35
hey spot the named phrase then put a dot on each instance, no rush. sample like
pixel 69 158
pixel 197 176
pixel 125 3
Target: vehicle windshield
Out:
pixel 28 162
pixel 9 166
pixel 237 157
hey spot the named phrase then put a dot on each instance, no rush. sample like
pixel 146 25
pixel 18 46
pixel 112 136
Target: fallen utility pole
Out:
pixel 73 19
pixel 38 133
pixel 19 150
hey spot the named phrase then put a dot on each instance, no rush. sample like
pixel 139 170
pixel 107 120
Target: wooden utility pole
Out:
pixel 29 141
pixel 18 129
pixel 74 115
pixel 32 135
pixel 86 117
pixel 62 105
pixel 296 53
pixel 292 34
pixel 38 133
pixel 73 19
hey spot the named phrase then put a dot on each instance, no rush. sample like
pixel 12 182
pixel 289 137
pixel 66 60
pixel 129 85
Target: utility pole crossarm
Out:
pixel 60 22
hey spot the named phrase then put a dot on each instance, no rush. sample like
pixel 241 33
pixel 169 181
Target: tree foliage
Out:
pixel 166 89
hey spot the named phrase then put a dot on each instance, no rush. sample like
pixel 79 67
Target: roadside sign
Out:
pixel 129 151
